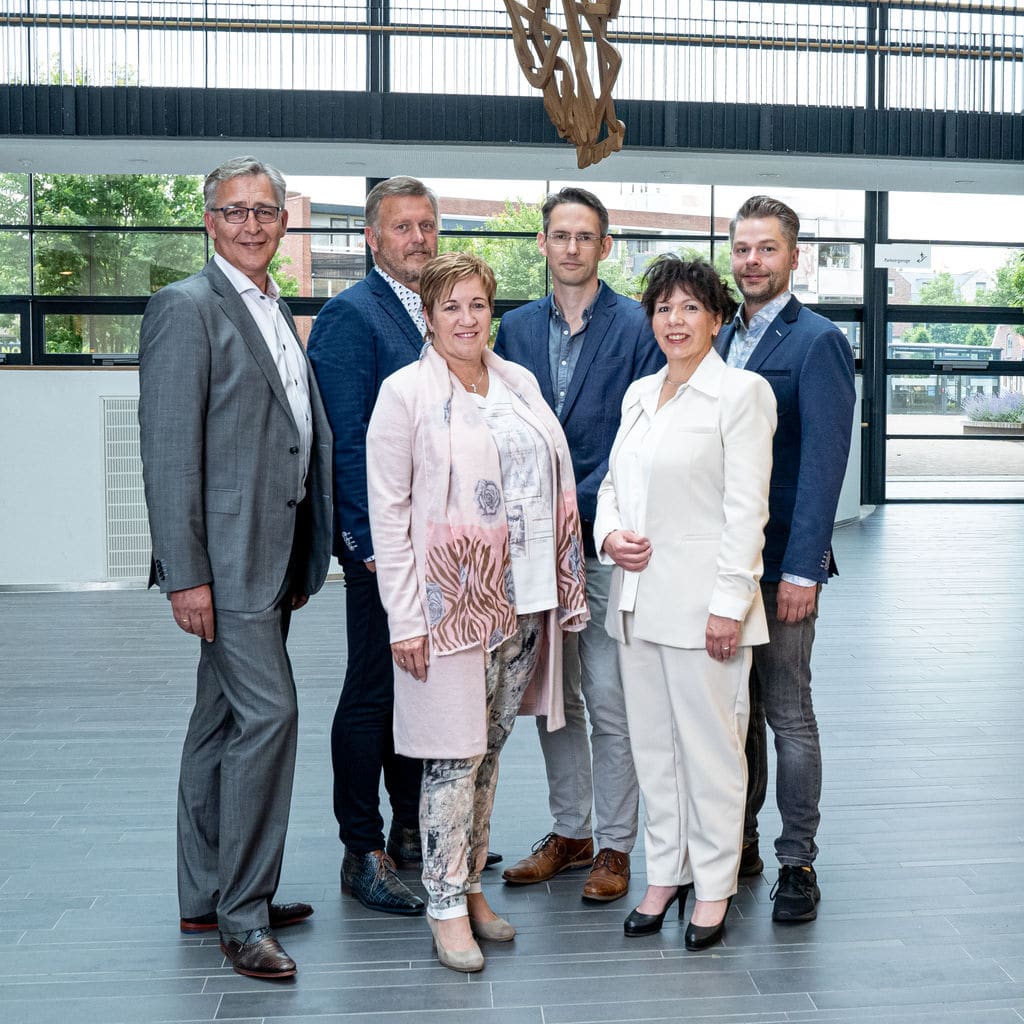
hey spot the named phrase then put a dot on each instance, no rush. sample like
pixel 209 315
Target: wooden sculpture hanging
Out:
pixel 569 99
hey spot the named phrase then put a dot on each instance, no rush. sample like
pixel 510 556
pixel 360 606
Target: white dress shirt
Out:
pixel 285 350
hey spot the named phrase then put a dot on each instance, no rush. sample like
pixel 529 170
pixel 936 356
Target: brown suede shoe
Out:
pixel 609 878
pixel 550 855
pixel 260 957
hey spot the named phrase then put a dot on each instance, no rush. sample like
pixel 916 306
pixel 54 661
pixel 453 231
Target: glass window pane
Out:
pixel 10 333
pixel 14 267
pixel 630 257
pixel 119 200
pixel 113 262
pixel 319 265
pixel 829 272
pixel 959 341
pixel 652 206
pixel 13 198
pixel 853 332
pixel 985 456
pixel 519 267
pixel 291 60
pixel 962 275
pixel 955 217
pixel 823 213
pixel 80 334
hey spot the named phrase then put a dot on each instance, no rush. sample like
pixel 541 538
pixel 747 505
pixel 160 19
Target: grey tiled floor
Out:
pixel 920 694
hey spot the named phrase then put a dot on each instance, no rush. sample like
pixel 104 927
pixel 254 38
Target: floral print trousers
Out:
pixel 458 794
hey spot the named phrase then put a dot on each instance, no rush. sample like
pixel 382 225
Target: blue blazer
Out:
pixel 809 364
pixel 360 337
pixel 618 348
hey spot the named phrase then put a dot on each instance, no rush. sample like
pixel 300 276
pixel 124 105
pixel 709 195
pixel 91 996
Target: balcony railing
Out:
pixel 901 54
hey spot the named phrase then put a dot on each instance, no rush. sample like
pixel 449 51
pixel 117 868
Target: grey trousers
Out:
pixel 780 694
pixel 457 796
pixel 591 674
pixel 237 765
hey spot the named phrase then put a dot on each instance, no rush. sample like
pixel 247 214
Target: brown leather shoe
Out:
pixel 260 957
pixel 281 916
pixel 609 877
pixel 550 855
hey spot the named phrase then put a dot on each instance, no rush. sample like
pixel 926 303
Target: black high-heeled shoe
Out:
pixel 702 936
pixel 649 924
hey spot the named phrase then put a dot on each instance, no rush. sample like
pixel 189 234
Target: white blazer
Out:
pixel 706 508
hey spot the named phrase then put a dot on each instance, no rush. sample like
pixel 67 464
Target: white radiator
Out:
pixel 128 544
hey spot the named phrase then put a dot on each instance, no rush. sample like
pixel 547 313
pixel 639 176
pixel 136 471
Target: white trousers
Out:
pixel 688 719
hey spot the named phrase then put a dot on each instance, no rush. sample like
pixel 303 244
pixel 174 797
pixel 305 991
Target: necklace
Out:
pixel 473 387
pixel 668 380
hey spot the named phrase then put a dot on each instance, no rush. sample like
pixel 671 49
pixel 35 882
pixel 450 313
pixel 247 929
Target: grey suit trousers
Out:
pixel 237 765
pixel 591 674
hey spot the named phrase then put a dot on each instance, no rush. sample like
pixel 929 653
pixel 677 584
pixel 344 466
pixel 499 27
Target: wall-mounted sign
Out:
pixel 903 255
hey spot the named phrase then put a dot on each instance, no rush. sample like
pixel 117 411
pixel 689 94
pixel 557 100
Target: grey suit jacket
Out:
pixel 221 453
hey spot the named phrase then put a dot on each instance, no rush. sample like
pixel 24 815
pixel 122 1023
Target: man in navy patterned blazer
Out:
pixel 808 362
pixel 361 336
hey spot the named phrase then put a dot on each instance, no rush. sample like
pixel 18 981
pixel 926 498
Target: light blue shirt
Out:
pixel 564 349
pixel 746 336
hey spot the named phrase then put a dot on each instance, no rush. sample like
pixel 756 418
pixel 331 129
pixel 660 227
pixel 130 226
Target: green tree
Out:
pixel 14 275
pixel 941 290
pixel 1009 289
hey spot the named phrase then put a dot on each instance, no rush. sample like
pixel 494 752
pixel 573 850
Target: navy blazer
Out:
pixel 360 337
pixel 618 348
pixel 809 364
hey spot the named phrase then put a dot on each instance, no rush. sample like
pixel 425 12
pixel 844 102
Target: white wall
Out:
pixel 52 484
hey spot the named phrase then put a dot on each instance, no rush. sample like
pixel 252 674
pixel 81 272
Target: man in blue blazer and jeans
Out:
pixel 809 365
pixel 361 336
pixel 585 344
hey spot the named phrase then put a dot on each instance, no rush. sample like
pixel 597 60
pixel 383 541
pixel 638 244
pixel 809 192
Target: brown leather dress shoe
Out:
pixel 281 915
pixel 609 878
pixel 259 957
pixel 550 855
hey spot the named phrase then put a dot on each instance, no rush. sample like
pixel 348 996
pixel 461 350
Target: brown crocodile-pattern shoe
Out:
pixel 550 855
pixel 260 957
pixel 609 878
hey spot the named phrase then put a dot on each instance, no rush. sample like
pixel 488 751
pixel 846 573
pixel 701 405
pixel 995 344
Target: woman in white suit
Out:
pixel 681 513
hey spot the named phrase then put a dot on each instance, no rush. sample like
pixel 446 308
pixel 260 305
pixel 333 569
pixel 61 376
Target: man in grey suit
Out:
pixel 236 453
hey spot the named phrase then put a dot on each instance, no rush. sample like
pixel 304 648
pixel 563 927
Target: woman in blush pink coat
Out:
pixel 479 560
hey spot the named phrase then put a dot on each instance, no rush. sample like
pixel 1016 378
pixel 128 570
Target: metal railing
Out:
pixel 901 54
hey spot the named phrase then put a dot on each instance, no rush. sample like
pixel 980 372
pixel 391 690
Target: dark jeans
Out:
pixel 362 742
pixel 780 694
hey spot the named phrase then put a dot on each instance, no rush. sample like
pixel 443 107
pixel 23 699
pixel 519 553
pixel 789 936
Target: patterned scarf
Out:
pixel 470 597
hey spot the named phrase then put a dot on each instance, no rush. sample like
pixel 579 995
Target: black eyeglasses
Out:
pixel 240 214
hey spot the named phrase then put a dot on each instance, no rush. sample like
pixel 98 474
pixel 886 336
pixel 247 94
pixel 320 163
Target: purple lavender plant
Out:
pixel 1007 407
